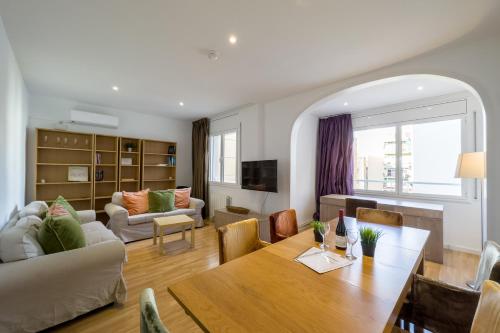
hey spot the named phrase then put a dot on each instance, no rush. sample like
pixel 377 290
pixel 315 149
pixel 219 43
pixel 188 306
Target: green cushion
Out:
pixel 161 201
pixel 60 233
pixel 60 200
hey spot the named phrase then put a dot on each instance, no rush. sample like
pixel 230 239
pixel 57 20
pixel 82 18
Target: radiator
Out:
pixel 217 201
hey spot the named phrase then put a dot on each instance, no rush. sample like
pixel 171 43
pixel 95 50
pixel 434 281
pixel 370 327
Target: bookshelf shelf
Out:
pixel 133 170
pixel 158 166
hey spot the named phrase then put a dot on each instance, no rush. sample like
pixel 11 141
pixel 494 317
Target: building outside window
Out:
pixel 223 150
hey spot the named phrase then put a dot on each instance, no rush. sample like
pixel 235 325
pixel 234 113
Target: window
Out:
pixel 223 149
pixel 409 159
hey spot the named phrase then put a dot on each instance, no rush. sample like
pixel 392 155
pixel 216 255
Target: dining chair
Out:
pixel 283 225
pixel 352 204
pixel 239 238
pixel 487 317
pixel 489 257
pixel 379 216
pixel 150 319
pixel 439 307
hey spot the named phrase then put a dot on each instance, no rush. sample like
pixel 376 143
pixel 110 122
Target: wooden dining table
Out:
pixel 268 291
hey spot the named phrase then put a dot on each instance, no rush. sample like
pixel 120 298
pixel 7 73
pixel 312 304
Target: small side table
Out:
pixel 161 223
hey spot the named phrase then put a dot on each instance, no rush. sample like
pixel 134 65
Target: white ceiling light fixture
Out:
pixel 420 88
pixel 213 55
pixel 115 88
pixel 233 39
pixel 346 103
pixel 181 103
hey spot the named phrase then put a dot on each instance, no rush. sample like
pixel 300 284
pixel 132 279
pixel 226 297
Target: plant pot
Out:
pixel 129 149
pixel 368 249
pixel 317 237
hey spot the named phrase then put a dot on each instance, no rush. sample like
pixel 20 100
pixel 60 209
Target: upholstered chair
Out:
pixel 440 307
pixel 239 238
pixel 489 257
pixel 352 204
pixel 283 225
pixel 487 317
pixel 379 216
pixel 150 319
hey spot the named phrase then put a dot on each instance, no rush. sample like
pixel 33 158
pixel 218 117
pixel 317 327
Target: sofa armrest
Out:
pixel 51 288
pixel 116 213
pixel 197 204
pixel 86 216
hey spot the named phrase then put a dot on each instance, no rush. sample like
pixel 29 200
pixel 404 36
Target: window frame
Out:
pixel 222 182
pixel 398 193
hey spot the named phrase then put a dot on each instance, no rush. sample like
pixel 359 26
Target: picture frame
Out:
pixel 126 161
pixel 78 174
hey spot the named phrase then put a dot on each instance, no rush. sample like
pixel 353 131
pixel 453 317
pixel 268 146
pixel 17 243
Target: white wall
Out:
pixel 47 112
pixel 473 59
pixel 13 119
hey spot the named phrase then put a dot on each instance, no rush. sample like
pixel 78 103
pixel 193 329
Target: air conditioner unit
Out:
pixel 93 119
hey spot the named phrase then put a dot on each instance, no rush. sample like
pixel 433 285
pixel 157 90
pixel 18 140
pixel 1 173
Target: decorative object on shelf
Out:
pixel 65 140
pixel 317 226
pixel 170 178
pixel 86 142
pixel 126 161
pixel 238 210
pixel 130 146
pixel 171 150
pixel 58 140
pixel 75 141
pixel 99 175
pixel 42 181
pixel 228 200
pixel 45 139
pixel 98 158
pixel 369 238
pixel 78 174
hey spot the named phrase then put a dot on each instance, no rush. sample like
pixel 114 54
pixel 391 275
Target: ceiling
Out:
pixel 156 50
pixel 388 92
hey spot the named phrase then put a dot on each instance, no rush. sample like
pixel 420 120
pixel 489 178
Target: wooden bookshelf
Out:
pixel 105 173
pixel 159 163
pixel 130 175
pixel 56 152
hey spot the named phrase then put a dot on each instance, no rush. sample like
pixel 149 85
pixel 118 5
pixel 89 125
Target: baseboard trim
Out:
pixel 462 249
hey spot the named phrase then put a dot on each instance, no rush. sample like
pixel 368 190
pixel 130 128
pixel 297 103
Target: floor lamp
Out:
pixel 473 166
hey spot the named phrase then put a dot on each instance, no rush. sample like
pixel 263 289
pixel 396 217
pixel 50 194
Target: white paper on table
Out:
pixel 322 261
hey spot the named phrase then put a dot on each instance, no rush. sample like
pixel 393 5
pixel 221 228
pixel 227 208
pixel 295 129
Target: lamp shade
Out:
pixel 471 165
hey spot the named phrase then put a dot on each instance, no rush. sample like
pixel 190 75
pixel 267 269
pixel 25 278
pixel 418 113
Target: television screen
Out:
pixel 260 175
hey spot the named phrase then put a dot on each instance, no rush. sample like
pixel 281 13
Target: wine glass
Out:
pixel 324 230
pixel 352 237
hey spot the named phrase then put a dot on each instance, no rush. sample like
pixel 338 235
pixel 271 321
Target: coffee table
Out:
pixel 162 223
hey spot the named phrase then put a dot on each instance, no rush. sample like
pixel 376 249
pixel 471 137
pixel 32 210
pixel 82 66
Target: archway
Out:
pixel 303 146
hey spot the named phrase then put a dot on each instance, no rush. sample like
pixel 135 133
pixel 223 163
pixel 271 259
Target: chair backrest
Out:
pixel 283 225
pixel 487 317
pixel 150 319
pixel 489 257
pixel 379 216
pixel 352 204
pixel 237 239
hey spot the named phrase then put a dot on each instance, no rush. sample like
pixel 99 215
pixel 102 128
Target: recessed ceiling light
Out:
pixel 181 103
pixel 420 88
pixel 233 39
pixel 346 103
pixel 115 88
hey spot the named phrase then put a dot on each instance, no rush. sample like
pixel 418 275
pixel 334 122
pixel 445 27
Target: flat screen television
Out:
pixel 260 175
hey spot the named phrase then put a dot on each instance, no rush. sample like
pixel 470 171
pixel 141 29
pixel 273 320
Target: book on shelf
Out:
pixel 171 160
pixel 98 157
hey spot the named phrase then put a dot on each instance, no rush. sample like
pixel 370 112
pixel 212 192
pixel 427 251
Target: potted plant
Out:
pixel 369 238
pixel 130 146
pixel 317 227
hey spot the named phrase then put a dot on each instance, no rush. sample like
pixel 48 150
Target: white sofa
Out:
pixel 136 227
pixel 43 291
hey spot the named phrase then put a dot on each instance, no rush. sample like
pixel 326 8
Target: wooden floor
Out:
pixel 146 268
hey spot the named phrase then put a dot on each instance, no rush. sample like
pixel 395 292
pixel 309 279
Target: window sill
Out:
pixel 228 185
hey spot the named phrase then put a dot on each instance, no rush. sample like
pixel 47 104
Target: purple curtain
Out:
pixel 334 164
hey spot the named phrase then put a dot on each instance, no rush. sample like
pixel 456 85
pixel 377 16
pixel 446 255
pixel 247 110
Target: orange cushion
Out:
pixel 182 197
pixel 136 202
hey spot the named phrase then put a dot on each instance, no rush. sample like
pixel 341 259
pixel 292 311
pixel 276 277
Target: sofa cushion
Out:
pixel 37 208
pixel 60 233
pixel 185 211
pixel 136 202
pixel 14 217
pixel 20 242
pixel 96 232
pixel 144 218
pixel 161 201
pixel 182 197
